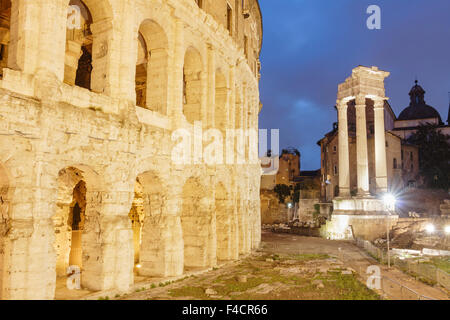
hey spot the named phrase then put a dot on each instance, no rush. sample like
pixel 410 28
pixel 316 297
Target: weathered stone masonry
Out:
pixel 86 118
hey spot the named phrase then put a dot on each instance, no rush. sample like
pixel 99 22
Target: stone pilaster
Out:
pixel 362 160
pixel 24 39
pixel 176 73
pixel 211 77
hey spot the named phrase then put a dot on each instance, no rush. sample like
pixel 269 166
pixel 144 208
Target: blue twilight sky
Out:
pixel 310 46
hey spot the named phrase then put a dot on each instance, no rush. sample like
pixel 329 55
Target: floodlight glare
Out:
pixel 430 228
pixel 389 200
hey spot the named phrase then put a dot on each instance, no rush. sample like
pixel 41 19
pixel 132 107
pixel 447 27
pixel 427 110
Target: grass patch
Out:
pixel 346 287
pixel 442 263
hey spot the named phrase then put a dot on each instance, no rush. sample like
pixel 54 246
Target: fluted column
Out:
pixel 380 147
pixel 361 147
pixel 344 166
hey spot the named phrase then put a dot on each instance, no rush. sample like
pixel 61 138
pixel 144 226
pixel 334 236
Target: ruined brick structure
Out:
pixel 87 115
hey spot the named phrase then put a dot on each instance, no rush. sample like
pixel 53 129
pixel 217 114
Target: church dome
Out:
pixel 417 108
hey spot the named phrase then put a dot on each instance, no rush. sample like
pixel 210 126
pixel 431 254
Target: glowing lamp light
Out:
pixel 289 205
pixel 430 228
pixel 389 200
pixel 138 266
pixel 447 229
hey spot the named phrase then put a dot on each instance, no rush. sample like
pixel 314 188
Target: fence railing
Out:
pixel 426 271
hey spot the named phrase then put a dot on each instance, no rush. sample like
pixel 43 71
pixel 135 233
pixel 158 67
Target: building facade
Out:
pixel 94 95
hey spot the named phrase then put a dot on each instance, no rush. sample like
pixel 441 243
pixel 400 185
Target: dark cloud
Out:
pixel 312 45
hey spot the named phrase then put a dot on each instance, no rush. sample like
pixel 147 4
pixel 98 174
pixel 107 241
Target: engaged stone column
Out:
pixel 344 166
pixel 380 147
pixel 361 147
pixel 175 71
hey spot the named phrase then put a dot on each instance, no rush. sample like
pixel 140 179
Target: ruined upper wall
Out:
pixel 246 24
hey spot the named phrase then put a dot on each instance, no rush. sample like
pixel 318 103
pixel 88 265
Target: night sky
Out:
pixel 310 46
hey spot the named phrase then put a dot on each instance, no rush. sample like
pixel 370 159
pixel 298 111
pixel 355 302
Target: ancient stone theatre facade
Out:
pixel 91 93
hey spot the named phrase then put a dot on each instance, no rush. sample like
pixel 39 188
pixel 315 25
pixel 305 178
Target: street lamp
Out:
pixel 389 201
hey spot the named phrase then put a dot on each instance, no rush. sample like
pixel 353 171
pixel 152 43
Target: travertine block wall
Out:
pixel 54 135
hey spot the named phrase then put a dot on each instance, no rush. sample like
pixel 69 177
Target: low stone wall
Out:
pixel 307 209
pixel 272 211
pixel 367 227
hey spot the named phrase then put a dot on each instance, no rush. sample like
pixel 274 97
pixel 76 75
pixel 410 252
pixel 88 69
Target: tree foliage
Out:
pixel 283 191
pixel 434 155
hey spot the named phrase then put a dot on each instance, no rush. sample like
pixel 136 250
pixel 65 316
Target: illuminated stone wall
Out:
pixel 60 127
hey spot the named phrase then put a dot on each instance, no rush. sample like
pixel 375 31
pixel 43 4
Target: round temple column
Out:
pixel 380 147
pixel 344 166
pixel 361 147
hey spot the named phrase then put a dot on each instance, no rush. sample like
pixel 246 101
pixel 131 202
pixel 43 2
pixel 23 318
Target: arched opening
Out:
pixel 79 44
pixel 5 26
pixel 224 223
pixel 141 72
pixel 192 85
pixel 198 226
pixel 4 207
pixel 69 223
pixel 137 220
pixel 151 68
pixel 221 114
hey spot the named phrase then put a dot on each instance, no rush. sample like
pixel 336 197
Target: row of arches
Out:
pixel 208 229
pixel 87 47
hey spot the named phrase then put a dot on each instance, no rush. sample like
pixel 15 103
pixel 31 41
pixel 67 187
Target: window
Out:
pixel 411 156
pixel 395 163
pixel 412 167
pixel 334 149
pixel 229 19
pixel 335 170
pixel 79 43
pixel 5 24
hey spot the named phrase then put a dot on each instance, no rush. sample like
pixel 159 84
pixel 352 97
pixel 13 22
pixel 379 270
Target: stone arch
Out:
pixel 5 200
pixel 74 221
pixel 87 45
pixel 198 226
pixel 221 99
pixel 192 85
pixel 151 67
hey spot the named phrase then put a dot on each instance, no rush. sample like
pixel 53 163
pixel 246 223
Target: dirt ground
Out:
pixel 286 267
